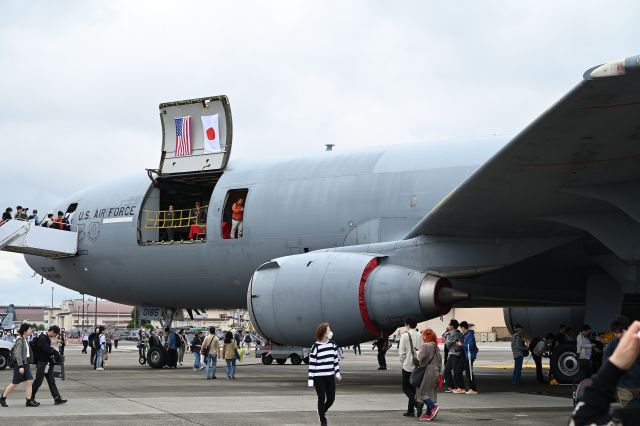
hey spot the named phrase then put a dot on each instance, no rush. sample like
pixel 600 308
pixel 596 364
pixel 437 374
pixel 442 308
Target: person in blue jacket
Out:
pixel 470 351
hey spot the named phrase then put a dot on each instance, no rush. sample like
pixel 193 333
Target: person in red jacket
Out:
pixel 236 218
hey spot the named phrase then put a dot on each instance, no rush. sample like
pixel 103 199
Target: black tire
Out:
pixel 142 360
pixel 267 359
pixel 564 363
pixel 4 359
pixel 155 357
pixel 281 361
pixel 295 359
pixel 306 360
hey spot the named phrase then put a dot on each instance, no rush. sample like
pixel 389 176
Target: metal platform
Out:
pixel 25 237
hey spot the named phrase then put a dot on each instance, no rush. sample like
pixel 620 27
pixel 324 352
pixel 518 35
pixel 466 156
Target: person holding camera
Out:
pixel 47 357
pixel 593 406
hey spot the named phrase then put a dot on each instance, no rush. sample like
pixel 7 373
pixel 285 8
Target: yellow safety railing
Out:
pixel 165 219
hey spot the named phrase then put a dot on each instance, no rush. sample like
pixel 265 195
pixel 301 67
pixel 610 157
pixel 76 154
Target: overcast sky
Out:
pixel 80 81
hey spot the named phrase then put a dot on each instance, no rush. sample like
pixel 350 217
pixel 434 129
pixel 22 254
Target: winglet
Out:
pixel 614 68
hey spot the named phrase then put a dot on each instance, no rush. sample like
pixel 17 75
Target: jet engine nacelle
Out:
pixel 539 321
pixel 360 295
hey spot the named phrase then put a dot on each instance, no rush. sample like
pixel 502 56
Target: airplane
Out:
pixel 545 224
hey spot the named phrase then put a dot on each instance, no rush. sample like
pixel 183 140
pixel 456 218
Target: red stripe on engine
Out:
pixel 371 326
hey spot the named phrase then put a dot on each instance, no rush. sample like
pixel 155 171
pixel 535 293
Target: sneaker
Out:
pixel 459 390
pixel 448 390
pixel 553 382
pixel 427 417
pixel 59 401
pixel 408 414
pixel 471 392
pixel 201 368
pixel 434 412
pixel 100 369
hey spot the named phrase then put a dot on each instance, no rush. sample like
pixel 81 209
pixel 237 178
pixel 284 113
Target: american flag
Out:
pixel 183 136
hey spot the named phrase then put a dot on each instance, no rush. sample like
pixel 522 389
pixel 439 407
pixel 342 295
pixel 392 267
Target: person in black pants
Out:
pixel 383 346
pixel 452 370
pixel 44 367
pixel 356 349
pixel 324 369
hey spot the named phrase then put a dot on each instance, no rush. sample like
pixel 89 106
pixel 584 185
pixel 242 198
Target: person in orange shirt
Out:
pixel 236 218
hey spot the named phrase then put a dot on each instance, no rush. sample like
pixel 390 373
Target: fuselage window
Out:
pixel 233 214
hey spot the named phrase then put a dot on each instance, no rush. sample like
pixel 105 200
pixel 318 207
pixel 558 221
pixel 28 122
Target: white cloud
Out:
pixel 10 267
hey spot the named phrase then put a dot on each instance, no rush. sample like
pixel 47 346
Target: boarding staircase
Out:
pixel 20 236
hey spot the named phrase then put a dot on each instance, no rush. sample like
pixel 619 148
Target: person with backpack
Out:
pixel 46 357
pixel 324 369
pixel 468 356
pixel 21 357
pixel 196 347
pixel 94 342
pixel 410 342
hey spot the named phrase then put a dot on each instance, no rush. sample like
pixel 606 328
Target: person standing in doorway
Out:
pixel 46 357
pixel 518 348
pixel 410 341
pixel 21 370
pixel 230 349
pixel 324 369
pixel 237 218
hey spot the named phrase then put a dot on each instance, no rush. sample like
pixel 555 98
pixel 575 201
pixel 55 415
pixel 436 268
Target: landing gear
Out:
pixel 564 363
pixel 295 359
pixel 142 360
pixel 281 361
pixel 267 359
pixel 155 357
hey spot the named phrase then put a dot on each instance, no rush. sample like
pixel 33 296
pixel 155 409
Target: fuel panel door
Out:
pixel 196 135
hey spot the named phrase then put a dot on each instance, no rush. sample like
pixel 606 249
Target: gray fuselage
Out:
pixel 329 199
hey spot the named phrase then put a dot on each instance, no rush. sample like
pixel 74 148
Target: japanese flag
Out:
pixel 210 134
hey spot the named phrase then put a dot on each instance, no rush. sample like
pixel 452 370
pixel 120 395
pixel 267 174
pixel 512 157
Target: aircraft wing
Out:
pixel 574 167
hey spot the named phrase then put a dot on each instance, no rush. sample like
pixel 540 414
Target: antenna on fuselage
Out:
pixel 329 146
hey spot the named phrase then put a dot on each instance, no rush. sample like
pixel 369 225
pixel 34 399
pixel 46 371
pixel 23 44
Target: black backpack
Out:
pixel 33 348
pixel 179 341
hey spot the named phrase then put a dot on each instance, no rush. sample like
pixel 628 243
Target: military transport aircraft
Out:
pixel 548 227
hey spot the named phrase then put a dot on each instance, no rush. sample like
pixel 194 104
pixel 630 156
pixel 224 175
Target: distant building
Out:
pixel 30 314
pixel 74 315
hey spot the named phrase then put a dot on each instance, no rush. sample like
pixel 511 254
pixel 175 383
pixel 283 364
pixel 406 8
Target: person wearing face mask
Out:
pixel 324 369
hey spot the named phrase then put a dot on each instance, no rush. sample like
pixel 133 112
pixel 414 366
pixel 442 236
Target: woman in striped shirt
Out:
pixel 324 369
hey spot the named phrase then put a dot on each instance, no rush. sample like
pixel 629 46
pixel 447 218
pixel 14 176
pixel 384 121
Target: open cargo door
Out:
pixel 196 136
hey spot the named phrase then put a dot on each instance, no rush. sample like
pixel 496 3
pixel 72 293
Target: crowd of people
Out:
pixel 61 221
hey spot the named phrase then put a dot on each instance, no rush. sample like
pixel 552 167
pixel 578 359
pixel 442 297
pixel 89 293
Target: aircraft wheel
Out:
pixel 142 360
pixel 564 363
pixel 306 360
pixel 155 357
pixel 4 359
pixel 267 359
pixel 295 359
pixel 281 361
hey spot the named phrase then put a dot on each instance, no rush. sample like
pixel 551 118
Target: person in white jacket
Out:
pixel 410 341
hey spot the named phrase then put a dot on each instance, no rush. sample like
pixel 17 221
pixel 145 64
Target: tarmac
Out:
pixel 129 394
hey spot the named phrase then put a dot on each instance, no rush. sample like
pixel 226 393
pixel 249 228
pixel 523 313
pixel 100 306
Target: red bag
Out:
pixel 440 381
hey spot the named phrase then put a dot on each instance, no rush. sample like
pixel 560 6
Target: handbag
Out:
pixel 417 375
